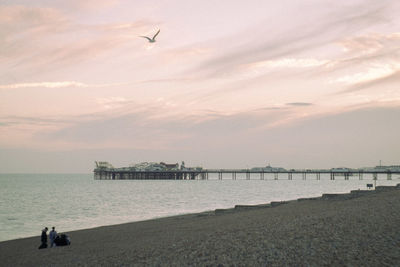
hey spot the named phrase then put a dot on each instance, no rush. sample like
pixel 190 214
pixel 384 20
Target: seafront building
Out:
pixel 154 166
pixel 268 168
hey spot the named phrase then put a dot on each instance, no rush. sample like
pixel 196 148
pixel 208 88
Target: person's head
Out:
pixel 46 229
pixel 53 228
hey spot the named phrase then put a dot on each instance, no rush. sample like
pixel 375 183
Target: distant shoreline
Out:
pixel 358 228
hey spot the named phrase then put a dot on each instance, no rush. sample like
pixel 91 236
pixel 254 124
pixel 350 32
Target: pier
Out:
pixel 107 172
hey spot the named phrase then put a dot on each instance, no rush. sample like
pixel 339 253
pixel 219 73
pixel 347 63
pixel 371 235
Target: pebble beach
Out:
pixel 360 228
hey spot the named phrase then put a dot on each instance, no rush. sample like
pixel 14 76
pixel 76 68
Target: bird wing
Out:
pixel 146 38
pixel 154 37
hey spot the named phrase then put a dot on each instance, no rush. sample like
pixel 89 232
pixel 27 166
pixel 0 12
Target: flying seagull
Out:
pixel 151 40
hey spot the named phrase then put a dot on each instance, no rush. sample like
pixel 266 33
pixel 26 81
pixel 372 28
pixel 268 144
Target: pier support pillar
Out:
pixel 304 175
pixel 360 176
pixel 375 177
pixel 276 176
pixel 290 176
pixel 389 176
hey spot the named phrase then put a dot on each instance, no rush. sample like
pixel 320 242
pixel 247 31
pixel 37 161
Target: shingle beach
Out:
pixel 361 228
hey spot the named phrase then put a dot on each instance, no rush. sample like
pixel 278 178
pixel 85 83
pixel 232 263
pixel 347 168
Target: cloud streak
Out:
pixel 392 79
pixel 328 30
pixel 62 84
pixel 301 104
pixel 376 72
pixel 37 39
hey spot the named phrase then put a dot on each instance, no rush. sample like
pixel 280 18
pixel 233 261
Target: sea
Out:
pixel 29 202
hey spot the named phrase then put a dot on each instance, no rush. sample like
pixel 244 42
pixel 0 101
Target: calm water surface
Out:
pixel 28 202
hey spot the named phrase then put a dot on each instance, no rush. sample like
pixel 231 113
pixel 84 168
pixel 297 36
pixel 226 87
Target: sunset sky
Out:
pixel 228 84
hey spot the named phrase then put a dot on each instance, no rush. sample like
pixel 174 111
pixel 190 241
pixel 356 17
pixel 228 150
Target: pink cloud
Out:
pixel 36 38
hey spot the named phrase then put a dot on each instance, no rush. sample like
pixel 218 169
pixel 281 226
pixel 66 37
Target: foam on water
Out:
pixel 28 202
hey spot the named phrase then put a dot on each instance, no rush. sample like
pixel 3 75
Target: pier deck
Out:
pixel 203 174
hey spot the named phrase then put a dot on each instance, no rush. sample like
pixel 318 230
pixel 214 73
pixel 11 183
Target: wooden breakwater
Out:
pixel 325 197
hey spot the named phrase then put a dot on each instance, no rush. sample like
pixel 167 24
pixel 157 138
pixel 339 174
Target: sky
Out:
pixel 227 84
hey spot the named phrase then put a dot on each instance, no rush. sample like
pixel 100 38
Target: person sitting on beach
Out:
pixel 52 237
pixel 62 240
pixel 43 238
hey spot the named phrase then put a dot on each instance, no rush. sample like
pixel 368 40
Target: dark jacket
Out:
pixel 43 238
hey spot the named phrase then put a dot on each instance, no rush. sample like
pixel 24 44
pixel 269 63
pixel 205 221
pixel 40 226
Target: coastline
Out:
pixel 358 228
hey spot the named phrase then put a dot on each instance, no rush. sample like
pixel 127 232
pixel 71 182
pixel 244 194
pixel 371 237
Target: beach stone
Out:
pixel 330 231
